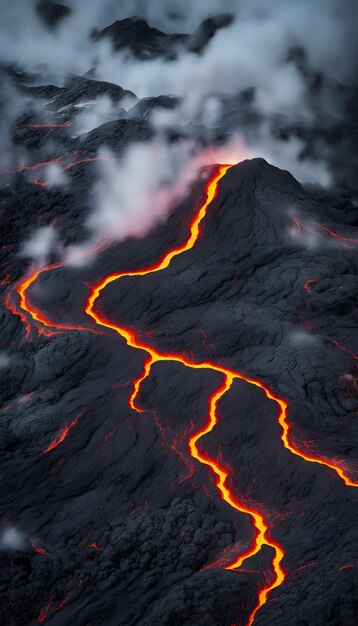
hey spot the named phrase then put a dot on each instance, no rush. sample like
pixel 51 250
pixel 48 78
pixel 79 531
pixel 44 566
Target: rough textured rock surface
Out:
pixel 143 41
pixel 117 507
pixel 106 517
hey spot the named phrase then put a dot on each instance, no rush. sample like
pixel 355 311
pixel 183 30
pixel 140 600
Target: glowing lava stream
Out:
pixel 132 340
pixel 262 537
pixel 36 314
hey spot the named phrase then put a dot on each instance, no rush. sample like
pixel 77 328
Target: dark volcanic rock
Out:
pixel 143 41
pixel 206 31
pixel 115 135
pixel 81 89
pixel 147 43
pixel 52 13
pixel 78 89
pixel 143 109
pixel 116 523
pixel 106 517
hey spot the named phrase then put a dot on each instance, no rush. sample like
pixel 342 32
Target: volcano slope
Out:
pixel 115 522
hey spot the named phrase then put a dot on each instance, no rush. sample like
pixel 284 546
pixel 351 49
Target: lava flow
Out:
pixel 35 314
pixel 310 282
pixel 20 290
pixel 347 242
pixel 62 434
pixel 69 166
pixel 65 162
pixel 133 339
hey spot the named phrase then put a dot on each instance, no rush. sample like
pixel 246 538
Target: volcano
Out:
pixel 120 476
pixel 177 433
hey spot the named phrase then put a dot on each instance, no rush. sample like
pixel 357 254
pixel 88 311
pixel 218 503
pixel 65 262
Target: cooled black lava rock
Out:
pixel 52 13
pixel 81 89
pixel 115 135
pixel 78 89
pixel 117 522
pixel 143 41
pixel 206 31
pixel 147 43
pixel 106 517
pixel 144 108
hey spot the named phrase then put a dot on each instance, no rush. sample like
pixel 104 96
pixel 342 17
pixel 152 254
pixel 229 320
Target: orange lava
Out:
pixel 16 311
pixel 43 613
pixel 34 167
pixel 337 235
pixel 346 241
pixel 134 340
pixel 68 595
pixel 261 528
pixel 60 160
pixel 6 280
pixel 154 356
pixel 38 549
pixel 69 166
pixel 340 347
pixel 310 282
pixel 34 313
pixel 348 566
pixel 62 434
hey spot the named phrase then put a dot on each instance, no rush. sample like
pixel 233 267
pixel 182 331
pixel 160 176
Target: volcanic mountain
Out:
pixel 118 504
pixel 177 434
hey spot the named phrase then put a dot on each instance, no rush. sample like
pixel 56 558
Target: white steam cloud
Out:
pixel 287 156
pixel 41 243
pixel 11 539
pixel 4 359
pixel 259 39
pixel 138 191
pixel 55 176
pixel 96 113
pixel 249 52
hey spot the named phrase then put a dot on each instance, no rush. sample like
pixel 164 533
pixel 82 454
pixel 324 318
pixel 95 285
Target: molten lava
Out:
pixel 347 242
pixel 69 166
pixel 62 434
pixel 43 613
pixel 65 162
pixel 36 314
pixel 38 549
pixel 133 339
pixel 310 282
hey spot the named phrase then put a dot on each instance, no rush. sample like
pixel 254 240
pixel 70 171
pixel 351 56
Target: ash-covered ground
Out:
pixel 113 126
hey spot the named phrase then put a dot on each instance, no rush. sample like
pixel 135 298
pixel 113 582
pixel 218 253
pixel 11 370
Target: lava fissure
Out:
pixel 59 160
pixel 62 434
pixel 312 230
pixel 36 314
